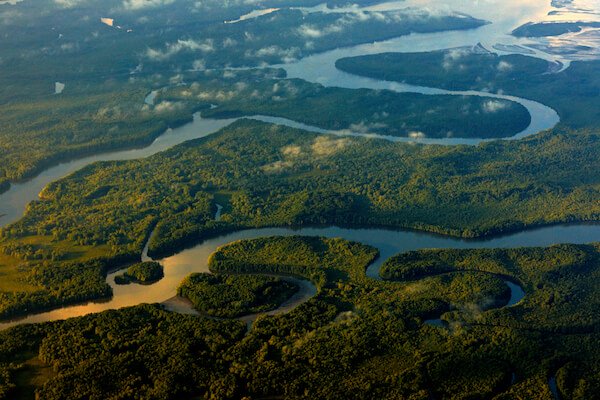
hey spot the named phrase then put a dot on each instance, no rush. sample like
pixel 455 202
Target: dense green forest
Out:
pixel 573 92
pixel 315 259
pixel 561 281
pixel 357 339
pixel 268 175
pixel 88 118
pixel 101 107
pixel 235 295
pixel 360 110
pixel 187 34
pixel 101 116
pixel 144 272
pixel 544 29
pixel 437 324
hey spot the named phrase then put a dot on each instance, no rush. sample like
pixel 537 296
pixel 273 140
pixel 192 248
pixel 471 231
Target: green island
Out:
pixel 230 296
pixel 357 338
pixel 235 94
pixel 545 29
pixel 578 104
pixel 144 273
pixel 267 175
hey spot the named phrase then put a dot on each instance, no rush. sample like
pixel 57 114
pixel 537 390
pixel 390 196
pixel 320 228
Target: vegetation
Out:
pixel 145 353
pixel 53 285
pixel 266 175
pixel 101 107
pixel 364 111
pixel 40 38
pixel 545 29
pixel 573 93
pixel 316 259
pixel 88 118
pixel 358 338
pixel 191 35
pixel 235 295
pixel 104 116
pixel 144 272
pixel 559 281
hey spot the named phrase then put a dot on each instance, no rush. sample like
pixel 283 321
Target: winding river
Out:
pixel 319 68
pixel 388 242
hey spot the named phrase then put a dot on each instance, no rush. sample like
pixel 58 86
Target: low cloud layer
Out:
pixel 294 155
pixel 349 19
pixel 141 4
pixel 493 106
pixel 172 49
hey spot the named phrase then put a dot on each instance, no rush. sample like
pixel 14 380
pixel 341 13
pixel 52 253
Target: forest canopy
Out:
pixel 267 175
pixel 358 338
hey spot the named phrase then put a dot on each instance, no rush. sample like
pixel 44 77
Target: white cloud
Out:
pixel 67 47
pixel 59 87
pixel 199 65
pixel 504 66
pixel 351 18
pixel 167 106
pixel 453 56
pixel 310 31
pixel 293 155
pixel 229 42
pixel 68 3
pixel 10 17
pixel 171 49
pixel 493 106
pixel 366 128
pixel 287 55
pixel 140 4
